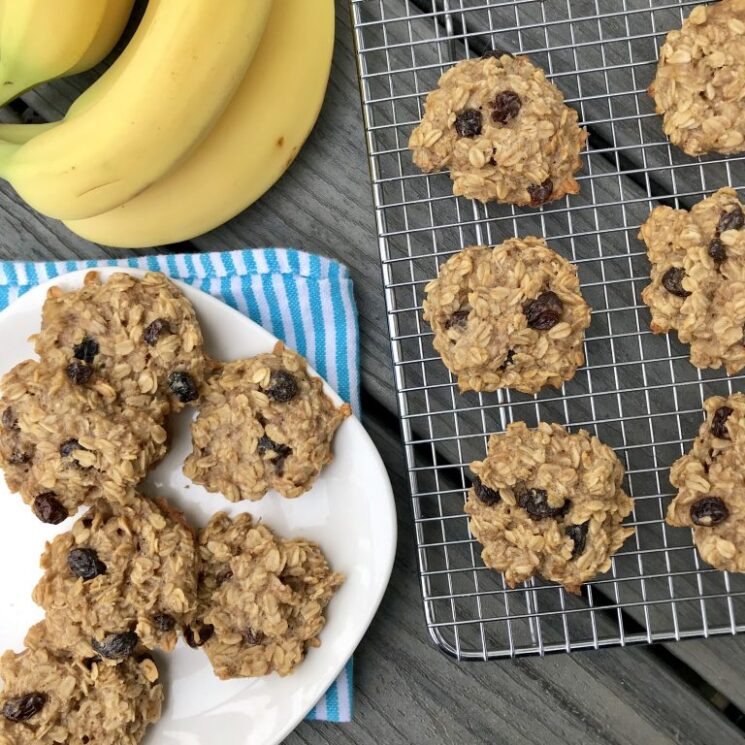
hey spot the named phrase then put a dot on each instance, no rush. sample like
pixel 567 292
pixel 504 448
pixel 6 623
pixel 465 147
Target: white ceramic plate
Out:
pixel 350 511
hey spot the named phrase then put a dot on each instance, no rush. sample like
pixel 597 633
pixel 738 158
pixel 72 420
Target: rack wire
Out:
pixel 638 392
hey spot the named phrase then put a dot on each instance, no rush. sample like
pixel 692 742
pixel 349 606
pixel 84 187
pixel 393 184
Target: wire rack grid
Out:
pixel 638 392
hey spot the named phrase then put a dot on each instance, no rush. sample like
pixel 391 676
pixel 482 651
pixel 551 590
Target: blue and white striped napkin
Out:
pixel 303 299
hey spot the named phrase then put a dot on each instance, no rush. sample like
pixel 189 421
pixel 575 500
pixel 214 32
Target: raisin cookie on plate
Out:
pixel 51 697
pixel 262 599
pixel 698 277
pixel 122 576
pixel 508 316
pixel 264 423
pixel 550 503
pixel 137 335
pixel 503 130
pixel 710 480
pixel 64 445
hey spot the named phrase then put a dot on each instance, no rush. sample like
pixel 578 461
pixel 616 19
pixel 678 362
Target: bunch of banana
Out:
pixel 45 39
pixel 187 128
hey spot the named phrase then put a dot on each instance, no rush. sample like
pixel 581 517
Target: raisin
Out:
pixel 496 53
pixel 19 457
pixel 22 708
pixel 709 511
pixel 672 281
pixel 578 534
pixel 544 312
pixel 267 444
pixel 535 502
pixel 468 123
pixel 719 422
pixel 116 646
pixel 10 420
pixel 79 372
pixel 733 220
pixel 541 193
pixel 68 447
pixel 458 320
pixel 508 360
pixel 282 386
pixel 253 638
pixel 155 330
pixel 717 251
pixel 164 622
pixel 84 563
pixel 506 106
pixel 485 493
pixel 86 350
pixel 200 637
pixel 49 509
pixel 225 576
pixel 183 387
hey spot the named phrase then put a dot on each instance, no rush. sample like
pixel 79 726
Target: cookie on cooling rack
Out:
pixel 699 81
pixel 508 316
pixel 51 697
pixel 711 485
pixel 504 132
pixel 262 599
pixel 550 503
pixel 698 278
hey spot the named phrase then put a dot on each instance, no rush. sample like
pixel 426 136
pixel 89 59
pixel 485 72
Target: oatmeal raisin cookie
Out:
pixel 262 599
pixel 508 316
pixel 700 78
pixel 711 485
pixel 264 423
pixel 50 697
pixel 698 277
pixel 550 503
pixel 504 132
pixel 121 576
pixel 64 445
pixel 138 336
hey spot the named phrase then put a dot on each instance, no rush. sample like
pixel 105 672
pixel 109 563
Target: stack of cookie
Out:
pixel 82 426
pixel 512 316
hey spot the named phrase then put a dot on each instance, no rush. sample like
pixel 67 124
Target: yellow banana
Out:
pixel 21 133
pixel 162 103
pixel 115 17
pixel 45 39
pixel 249 148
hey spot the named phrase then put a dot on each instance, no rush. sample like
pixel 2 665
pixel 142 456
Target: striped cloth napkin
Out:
pixel 303 299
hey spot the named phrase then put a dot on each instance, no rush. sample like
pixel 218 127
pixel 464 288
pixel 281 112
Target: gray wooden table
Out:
pixel 407 691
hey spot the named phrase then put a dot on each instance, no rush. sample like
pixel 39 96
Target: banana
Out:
pixel 160 105
pixel 115 17
pixel 254 142
pixel 45 39
pixel 21 133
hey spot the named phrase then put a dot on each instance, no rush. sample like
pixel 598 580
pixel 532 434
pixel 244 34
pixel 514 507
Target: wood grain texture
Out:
pixel 407 691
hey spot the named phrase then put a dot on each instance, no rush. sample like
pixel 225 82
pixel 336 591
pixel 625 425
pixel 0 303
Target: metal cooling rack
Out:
pixel 638 392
